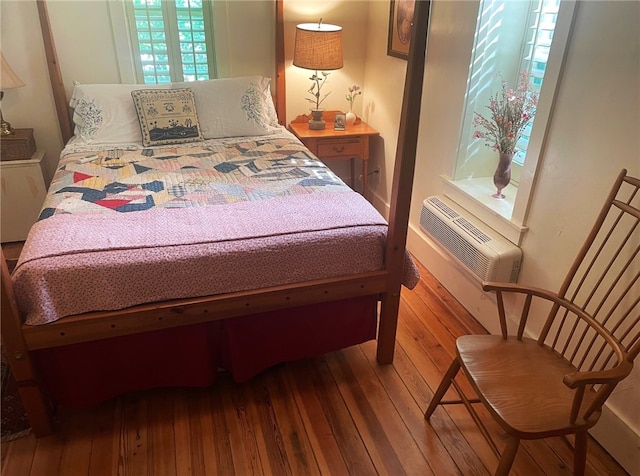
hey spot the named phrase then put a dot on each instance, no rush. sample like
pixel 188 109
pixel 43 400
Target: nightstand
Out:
pixel 23 192
pixel 349 144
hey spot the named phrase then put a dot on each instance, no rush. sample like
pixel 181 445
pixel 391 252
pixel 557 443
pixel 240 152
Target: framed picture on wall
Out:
pixel 400 23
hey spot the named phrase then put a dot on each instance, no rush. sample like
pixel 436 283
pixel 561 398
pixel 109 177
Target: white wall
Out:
pixel 593 135
pixel 382 101
pixel 239 53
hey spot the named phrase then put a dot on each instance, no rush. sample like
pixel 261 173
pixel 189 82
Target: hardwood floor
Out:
pixel 340 413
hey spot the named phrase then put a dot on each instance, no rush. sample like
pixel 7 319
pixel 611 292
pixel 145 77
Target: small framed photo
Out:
pixel 339 120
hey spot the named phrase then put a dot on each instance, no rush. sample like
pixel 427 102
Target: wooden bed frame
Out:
pixel 19 339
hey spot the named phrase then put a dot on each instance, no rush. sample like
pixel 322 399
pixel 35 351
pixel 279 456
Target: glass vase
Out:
pixel 502 175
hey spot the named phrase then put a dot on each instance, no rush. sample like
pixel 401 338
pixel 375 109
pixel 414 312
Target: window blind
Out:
pixel 172 40
pixel 543 18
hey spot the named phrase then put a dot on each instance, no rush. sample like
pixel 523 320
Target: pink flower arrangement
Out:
pixel 511 111
pixel 354 92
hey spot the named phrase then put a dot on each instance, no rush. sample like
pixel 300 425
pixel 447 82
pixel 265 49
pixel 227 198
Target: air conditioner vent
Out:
pixel 473 230
pixel 443 207
pixel 487 254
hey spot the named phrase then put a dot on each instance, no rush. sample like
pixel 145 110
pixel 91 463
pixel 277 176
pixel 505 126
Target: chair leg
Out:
pixel 580 453
pixel 442 388
pixel 508 455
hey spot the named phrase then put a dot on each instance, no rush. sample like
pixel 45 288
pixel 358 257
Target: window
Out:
pixel 542 23
pixel 171 41
pixel 510 37
pixel 504 44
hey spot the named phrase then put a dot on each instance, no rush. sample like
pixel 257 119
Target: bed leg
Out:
pixel 15 349
pixel 387 327
pixel 36 406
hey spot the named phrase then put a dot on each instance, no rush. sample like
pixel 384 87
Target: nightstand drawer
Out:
pixel 348 147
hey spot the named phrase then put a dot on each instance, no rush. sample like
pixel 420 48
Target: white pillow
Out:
pixel 105 113
pixel 231 107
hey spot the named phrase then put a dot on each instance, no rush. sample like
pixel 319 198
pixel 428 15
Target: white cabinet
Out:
pixel 21 196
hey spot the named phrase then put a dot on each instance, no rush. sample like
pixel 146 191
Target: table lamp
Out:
pixel 8 80
pixel 318 47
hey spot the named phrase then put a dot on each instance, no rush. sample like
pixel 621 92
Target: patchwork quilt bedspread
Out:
pixel 211 173
pixel 124 227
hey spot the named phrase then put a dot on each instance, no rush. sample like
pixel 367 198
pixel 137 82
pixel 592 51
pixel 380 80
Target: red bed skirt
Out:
pixel 85 374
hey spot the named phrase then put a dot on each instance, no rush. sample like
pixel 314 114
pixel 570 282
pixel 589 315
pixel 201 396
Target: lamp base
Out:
pixel 5 128
pixel 317 123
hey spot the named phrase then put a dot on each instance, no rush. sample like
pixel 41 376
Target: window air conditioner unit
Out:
pixel 487 254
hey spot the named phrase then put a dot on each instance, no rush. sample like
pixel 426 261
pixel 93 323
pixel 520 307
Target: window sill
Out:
pixel 475 196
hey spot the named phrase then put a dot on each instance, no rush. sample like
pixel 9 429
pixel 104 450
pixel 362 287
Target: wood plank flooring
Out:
pixel 337 414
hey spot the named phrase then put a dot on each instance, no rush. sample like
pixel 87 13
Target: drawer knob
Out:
pixel 338 149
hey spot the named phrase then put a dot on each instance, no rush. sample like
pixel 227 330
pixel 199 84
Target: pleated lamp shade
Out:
pixel 8 78
pixel 318 46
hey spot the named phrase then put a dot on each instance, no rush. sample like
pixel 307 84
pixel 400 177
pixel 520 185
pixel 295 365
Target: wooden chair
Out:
pixel 556 384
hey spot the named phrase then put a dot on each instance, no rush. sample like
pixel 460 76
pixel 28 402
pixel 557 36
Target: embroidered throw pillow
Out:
pixel 167 116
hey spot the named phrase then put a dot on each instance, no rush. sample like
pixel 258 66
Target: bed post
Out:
pixel 55 77
pixel 14 347
pixel 16 352
pixel 403 182
pixel 281 92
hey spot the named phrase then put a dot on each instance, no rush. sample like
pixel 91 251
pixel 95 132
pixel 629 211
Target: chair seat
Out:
pixel 521 382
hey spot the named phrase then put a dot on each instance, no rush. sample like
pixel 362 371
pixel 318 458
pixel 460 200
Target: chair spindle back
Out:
pixel 604 283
